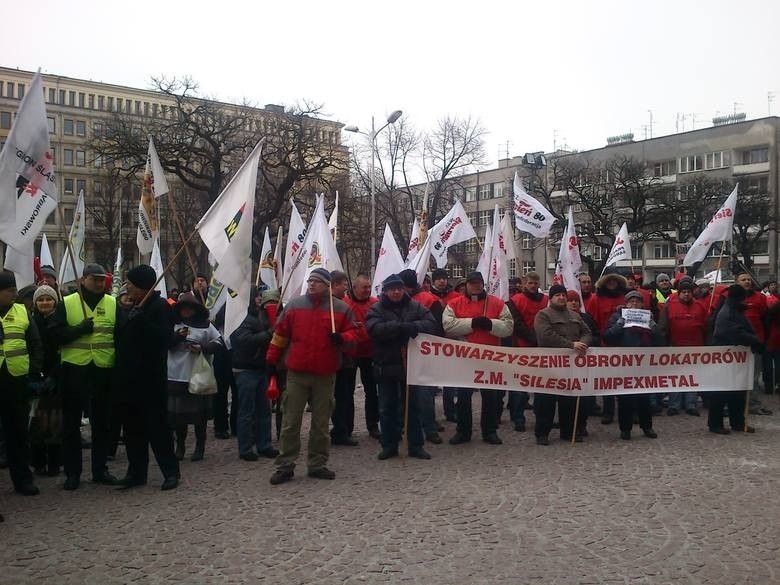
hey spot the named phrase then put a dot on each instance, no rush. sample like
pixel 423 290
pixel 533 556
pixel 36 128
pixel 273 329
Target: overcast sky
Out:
pixel 534 73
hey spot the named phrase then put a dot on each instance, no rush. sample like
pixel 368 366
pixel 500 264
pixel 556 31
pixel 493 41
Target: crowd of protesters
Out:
pixel 127 363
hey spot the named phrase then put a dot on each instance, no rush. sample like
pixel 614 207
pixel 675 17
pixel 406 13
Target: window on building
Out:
pixel 101 102
pixel 81 128
pixel 470 194
pixel 91 101
pixel 20 90
pixel 512 267
pixel 717 160
pixel 528 266
pixel 97 187
pixel 155 110
pixel 1 88
pixel 757 155
pixel 68 213
pixel 81 158
pixel 485 191
pixel 72 98
pixel 485 216
pixel 54 154
pixel 527 242
pixel 665 168
pixel 52 95
pixel 689 164
pixel 756 185
pixel 119 104
pixel 67 156
pixel 68 186
pixel 51 219
pixel 67 126
pixel 82 99
pixel 146 113
pixel 472 215
pixel 456 271
pixel 498 190
pixel 81 185
pixel 98 162
pixel 110 104
pixel 638 251
pixel 137 108
pixel 97 129
pixel 51 124
pixel 687 192
pixel 62 97
pixel 10 89
pixel 662 250
pixel 5 120
pixel 470 246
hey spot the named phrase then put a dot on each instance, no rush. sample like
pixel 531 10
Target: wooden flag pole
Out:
pixel 72 261
pixel 405 448
pixel 576 419
pixel 747 408
pixel 257 275
pixel 332 316
pixel 167 268
pixel 717 271
pixel 177 221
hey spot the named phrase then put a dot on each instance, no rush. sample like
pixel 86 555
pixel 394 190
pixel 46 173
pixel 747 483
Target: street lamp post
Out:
pixel 391 119
pixel 534 161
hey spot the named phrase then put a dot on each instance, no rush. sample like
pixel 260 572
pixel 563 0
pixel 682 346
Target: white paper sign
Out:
pixel 636 318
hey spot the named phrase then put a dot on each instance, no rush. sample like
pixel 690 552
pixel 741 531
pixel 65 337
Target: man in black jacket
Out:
pixel 249 343
pixel 142 373
pixel 391 322
pixel 732 327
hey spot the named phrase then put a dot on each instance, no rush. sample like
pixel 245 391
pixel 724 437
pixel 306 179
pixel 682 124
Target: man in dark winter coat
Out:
pixel 732 327
pixel 142 374
pixel 391 322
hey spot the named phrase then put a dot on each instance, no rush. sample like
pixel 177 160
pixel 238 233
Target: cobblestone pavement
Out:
pixel 690 507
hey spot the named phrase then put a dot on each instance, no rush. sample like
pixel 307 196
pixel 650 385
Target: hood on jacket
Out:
pixel 601 283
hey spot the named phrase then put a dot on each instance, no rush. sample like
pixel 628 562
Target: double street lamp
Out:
pixel 391 119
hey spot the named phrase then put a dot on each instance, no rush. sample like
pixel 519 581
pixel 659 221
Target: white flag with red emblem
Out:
pixel 267 262
pixel 497 278
pixel 453 229
pixel 319 248
pixel 414 241
pixel 621 249
pixel 530 215
pixel 569 261
pixel 718 230
pixel 296 235
pixel 28 186
pixel 389 261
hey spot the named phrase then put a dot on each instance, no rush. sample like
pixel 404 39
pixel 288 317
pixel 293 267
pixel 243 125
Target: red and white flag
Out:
pixel 621 249
pixel 453 229
pixel 530 215
pixel 718 230
pixel 414 241
pixel 569 261
pixel 389 261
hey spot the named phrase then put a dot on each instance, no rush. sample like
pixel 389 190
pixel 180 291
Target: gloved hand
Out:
pixel 272 392
pixel 35 387
pixel 270 370
pixel 620 322
pixel 410 330
pixel 86 326
pixel 652 324
pixel 481 323
pixel 336 338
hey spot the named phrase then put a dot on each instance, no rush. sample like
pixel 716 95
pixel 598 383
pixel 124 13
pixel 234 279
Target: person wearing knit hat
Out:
pixel 409 278
pixel 48 276
pixel 85 325
pixel 392 281
pixel 663 288
pixel 312 348
pixel 557 326
pixel 142 380
pixel 19 375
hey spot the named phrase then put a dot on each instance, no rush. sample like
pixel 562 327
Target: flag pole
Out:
pixel 257 275
pixel 72 260
pixel 717 271
pixel 167 268
pixel 332 317
pixel 576 419
pixel 405 448
pixel 177 221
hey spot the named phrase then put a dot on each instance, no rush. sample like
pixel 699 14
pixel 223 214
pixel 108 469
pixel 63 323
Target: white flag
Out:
pixel 389 261
pixel 76 238
pixel 414 241
pixel 267 262
pixel 154 185
pixel 226 229
pixel 28 187
pixel 487 249
pixel 497 277
pixel 422 261
pixel 21 264
pixel 319 245
pixel 718 230
pixel 569 261
pixel 159 268
pixel 116 282
pixel 530 215
pixel 45 255
pixel 293 254
pixel 714 277
pixel 453 229
pixel 508 237
pixel 621 249
pixel 334 216
pixel 278 266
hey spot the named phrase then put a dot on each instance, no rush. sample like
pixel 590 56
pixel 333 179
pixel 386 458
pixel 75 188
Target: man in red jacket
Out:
pixel 683 321
pixel 524 306
pixel 756 313
pixel 359 303
pixel 313 357
pixel 477 317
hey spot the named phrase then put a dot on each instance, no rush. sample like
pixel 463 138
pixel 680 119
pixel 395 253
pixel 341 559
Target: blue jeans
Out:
pixel 391 415
pixel 254 412
pixel 682 400
pixel 517 403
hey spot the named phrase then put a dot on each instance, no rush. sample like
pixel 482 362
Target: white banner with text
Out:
pixel 436 361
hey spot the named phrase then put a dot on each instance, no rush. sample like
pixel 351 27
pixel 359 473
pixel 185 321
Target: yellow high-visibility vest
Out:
pixel 13 348
pixel 98 346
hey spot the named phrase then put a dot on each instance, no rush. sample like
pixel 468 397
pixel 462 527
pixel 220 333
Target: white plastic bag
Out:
pixel 202 380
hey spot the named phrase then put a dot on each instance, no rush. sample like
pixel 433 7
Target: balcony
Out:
pixel 751 168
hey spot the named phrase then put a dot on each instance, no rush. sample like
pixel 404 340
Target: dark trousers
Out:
pixel 146 425
pixel 392 402
pixel 85 388
pixel 770 363
pixel 366 366
pixel 489 418
pixel 223 372
pixel 544 409
pixel 736 404
pixel 343 415
pixel 14 410
pixel 631 404
pixel 517 403
pixel 448 400
pixel 608 403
